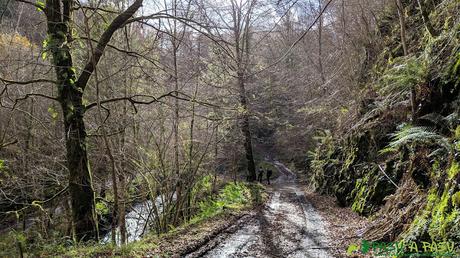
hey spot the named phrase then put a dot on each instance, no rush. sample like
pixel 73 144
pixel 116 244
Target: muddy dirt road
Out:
pixel 288 226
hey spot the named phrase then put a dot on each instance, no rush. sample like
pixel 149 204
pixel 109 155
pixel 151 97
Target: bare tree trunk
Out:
pixel 18 22
pixel 241 39
pixel 426 18
pixel 116 201
pixel 320 45
pixel 190 154
pixel 121 177
pixel 122 207
pixel 176 115
pixel 245 128
pixel 216 164
pixel 179 182
pixel 402 23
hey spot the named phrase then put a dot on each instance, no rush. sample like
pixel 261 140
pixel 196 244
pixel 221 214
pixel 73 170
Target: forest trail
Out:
pixel 288 226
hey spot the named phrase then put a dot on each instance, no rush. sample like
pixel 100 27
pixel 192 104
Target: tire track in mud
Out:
pixel 288 226
pixel 268 236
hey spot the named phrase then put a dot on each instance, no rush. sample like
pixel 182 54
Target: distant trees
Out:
pixel 233 26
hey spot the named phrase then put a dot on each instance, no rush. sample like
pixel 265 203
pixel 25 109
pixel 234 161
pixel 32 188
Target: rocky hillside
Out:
pixel 397 164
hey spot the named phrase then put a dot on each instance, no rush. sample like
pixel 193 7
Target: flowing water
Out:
pixel 137 220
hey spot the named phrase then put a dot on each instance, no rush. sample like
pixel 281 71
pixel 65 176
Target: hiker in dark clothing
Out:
pixel 269 174
pixel 261 175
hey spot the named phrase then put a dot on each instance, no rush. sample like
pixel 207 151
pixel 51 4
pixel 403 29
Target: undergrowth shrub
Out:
pixel 232 196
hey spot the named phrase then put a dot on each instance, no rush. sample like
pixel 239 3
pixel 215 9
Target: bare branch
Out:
pixel 10 82
pixel 3 145
pixel 134 100
pixel 32 95
pixel 31 3
pixel 117 23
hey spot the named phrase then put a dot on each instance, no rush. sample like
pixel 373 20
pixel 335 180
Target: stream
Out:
pixel 137 220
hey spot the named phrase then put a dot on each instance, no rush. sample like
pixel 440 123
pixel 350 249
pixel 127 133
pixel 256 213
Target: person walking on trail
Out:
pixel 261 174
pixel 269 174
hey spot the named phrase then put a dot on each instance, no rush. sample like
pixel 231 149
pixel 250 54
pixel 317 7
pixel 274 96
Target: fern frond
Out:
pixel 406 73
pixel 419 135
pixel 448 122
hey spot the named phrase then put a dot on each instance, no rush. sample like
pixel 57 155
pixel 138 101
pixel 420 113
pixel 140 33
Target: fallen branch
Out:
pixel 3 145
pixel 381 169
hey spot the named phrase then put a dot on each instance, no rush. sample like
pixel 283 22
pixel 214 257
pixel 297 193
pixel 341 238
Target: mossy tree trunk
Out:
pixel 70 96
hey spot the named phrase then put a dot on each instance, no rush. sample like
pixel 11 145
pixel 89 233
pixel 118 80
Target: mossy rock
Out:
pixel 370 191
pixel 440 218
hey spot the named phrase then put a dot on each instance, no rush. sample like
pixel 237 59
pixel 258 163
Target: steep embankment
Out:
pixel 404 171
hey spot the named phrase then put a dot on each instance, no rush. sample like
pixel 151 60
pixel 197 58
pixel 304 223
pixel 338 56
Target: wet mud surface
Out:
pixel 288 226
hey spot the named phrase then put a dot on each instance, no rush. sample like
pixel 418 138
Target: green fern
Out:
pixel 419 135
pixel 449 122
pixel 405 73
